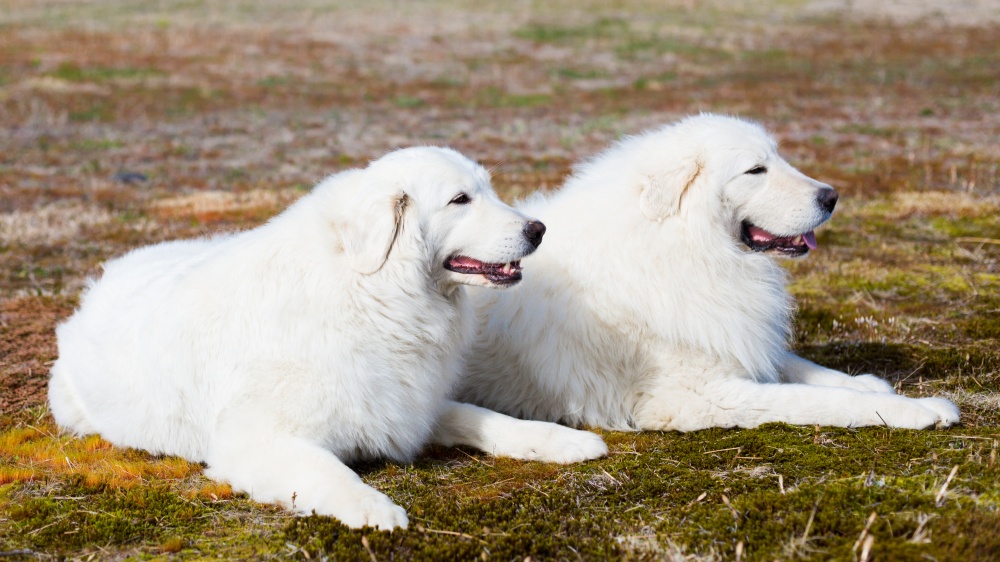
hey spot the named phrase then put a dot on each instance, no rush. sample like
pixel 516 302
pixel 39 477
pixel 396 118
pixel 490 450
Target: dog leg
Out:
pixel 744 403
pixel 301 475
pixel 798 370
pixel 504 436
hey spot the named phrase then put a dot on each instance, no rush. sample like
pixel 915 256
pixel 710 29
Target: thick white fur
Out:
pixel 644 309
pixel 330 334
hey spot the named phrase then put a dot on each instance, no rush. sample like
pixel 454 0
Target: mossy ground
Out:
pixel 231 111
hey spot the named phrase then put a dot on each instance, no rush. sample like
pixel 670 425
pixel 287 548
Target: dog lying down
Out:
pixel 656 302
pixel 329 335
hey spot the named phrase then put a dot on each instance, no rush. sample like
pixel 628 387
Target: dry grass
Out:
pixel 42 454
pixel 230 111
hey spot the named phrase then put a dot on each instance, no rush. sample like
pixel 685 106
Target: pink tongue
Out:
pixel 810 238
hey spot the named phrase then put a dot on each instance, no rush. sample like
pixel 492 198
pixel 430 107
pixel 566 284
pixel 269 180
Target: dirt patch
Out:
pixel 28 348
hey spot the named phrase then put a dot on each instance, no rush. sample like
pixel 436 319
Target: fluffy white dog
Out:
pixel 331 334
pixel 656 302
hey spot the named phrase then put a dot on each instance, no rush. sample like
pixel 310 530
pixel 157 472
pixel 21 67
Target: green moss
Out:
pixel 646 82
pixel 186 101
pixel 672 493
pixel 153 518
pixel 274 81
pixel 868 129
pixel 496 97
pixel 702 492
pixel 408 101
pixel 73 72
pixel 97 110
pixel 895 361
pixel 637 46
pixel 979 226
pixel 548 33
pixel 59 523
pixel 984 324
pixel 94 145
pixel 579 74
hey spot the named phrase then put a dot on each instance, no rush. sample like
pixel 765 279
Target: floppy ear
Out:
pixel 373 223
pixel 661 194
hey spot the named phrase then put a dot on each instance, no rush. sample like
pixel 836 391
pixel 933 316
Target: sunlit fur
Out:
pixel 645 310
pixel 329 335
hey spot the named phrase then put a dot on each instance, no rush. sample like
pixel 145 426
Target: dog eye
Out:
pixel 757 170
pixel 461 199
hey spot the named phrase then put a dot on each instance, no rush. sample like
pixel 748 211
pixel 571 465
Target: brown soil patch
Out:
pixel 27 349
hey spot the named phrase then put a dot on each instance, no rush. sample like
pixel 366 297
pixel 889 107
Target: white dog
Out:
pixel 331 334
pixel 656 304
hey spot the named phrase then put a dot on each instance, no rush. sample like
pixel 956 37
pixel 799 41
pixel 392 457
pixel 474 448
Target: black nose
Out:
pixel 534 231
pixel 828 198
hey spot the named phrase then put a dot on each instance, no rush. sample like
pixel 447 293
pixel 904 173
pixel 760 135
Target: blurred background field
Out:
pixel 127 123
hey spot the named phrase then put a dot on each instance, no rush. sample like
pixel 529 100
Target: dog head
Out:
pixel 436 205
pixel 731 169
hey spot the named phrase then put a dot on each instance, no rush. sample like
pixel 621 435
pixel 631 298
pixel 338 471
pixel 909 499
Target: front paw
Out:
pixel 915 413
pixel 947 412
pixel 559 444
pixel 871 383
pixel 368 507
pixel 577 446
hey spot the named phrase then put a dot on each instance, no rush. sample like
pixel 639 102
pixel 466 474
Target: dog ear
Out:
pixel 373 224
pixel 661 195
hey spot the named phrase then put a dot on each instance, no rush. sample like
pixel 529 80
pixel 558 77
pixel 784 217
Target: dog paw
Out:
pixel 871 383
pixel 947 412
pixel 371 508
pixel 575 446
pixel 916 413
pixel 549 442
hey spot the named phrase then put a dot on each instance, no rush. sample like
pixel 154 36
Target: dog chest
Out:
pixel 377 380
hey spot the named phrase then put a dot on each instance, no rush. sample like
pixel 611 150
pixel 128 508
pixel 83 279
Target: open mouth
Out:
pixel 760 240
pixel 496 273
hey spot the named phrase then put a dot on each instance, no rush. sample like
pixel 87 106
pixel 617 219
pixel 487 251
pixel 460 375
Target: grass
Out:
pixel 233 112
pixel 74 73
